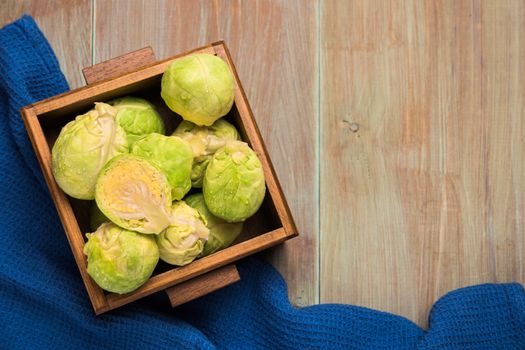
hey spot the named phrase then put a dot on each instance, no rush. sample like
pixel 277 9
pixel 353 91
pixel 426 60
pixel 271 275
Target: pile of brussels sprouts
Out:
pixel 140 178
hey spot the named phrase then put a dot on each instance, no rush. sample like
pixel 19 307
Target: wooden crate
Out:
pixel 138 74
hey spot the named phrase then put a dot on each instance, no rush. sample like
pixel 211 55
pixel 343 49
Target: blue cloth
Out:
pixel 43 303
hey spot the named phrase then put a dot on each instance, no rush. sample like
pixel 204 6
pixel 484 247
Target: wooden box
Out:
pixel 138 74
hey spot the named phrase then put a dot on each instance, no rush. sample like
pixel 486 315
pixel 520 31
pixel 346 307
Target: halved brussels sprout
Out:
pixel 138 117
pixel 83 148
pixel 199 87
pixel 233 184
pixel 96 217
pixel 184 239
pixel 119 260
pixel 222 233
pixel 172 155
pixel 205 141
pixel 134 194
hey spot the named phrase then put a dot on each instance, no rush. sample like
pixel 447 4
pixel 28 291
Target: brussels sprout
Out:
pixel 134 194
pixel 222 233
pixel 199 87
pixel 197 171
pixel 83 147
pixel 233 184
pixel 137 117
pixel 172 155
pixel 205 141
pixel 119 260
pixel 184 239
pixel 96 217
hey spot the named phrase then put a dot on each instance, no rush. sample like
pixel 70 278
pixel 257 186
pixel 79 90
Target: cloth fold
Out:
pixel 43 303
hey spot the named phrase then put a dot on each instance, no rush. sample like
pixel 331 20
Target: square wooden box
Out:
pixel 139 74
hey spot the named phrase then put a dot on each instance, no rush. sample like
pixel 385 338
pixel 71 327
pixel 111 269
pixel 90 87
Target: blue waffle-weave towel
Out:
pixel 43 303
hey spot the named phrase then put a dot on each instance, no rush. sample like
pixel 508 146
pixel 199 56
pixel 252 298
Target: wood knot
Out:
pixel 353 126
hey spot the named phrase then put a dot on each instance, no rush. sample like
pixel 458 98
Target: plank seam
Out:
pixel 93 29
pixel 318 153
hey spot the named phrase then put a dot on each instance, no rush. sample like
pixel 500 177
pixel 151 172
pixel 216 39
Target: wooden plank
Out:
pixel 503 116
pixel 67 26
pixel 422 114
pixel 202 285
pixel 273 45
pixel 119 65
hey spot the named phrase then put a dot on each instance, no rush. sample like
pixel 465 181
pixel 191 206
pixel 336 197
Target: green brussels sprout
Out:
pixel 172 155
pixel 233 185
pixel 184 239
pixel 119 260
pixel 199 87
pixel 222 233
pixel 83 147
pixel 134 194
pixel 137 117
pixel 96 217
pixel 197 171
pixel 205 141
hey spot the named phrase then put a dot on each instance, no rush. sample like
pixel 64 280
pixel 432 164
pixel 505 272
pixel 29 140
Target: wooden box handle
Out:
pixel 119 65
pixel 200 285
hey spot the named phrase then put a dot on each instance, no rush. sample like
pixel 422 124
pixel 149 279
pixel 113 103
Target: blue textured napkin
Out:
pixel 43 303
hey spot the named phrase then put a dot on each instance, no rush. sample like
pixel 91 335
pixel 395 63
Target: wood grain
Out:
pixel 503 115
pixel 67 26
pixel 422 116
pixel 202 285
pixel 422 128
pixel 278 69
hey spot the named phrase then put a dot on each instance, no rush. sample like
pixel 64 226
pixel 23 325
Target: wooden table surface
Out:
pixel 396 128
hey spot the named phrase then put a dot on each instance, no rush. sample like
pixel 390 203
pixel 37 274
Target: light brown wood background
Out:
pixel 397 129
